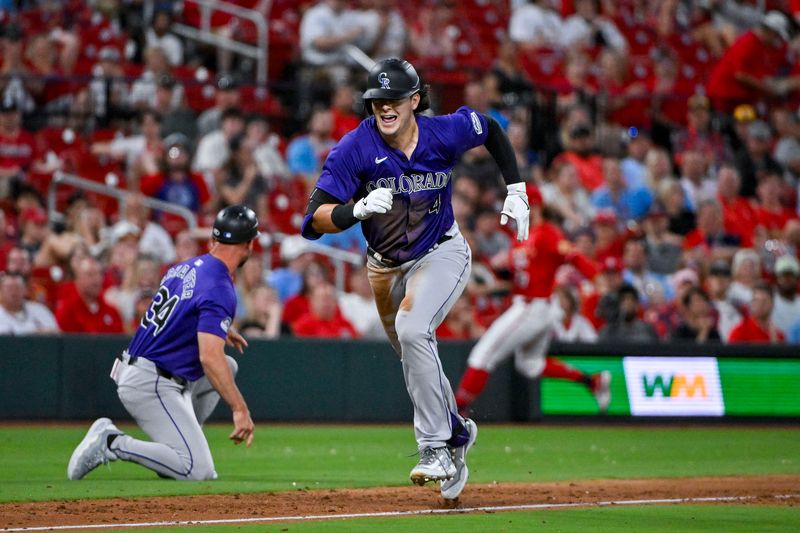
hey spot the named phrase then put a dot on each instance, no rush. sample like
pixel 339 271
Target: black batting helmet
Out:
pixel 394 79
pixel 235 224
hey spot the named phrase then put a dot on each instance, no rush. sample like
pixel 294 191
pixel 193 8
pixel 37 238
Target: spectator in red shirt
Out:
pixel 85 310
pixel 627 97
pixel 669 98
pixel 699 135
pixel 744 73
pixel 609 241
pixel 16 146
pixel 737 213
pixel 50 57
pixel 771 215
pixel 296 306
pixel 710 240
pixel 580 153
pixel 758 326
pixel 33 230
pixel 460 323
pixel 6 243
pixel 599 306
pixel 323 319
pixel 344 119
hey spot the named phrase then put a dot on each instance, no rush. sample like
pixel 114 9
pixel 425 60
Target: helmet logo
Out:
pixel 384 79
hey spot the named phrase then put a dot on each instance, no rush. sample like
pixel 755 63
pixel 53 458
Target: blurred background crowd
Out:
pixel 664 137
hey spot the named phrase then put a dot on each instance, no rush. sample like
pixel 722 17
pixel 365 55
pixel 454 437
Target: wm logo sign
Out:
pixel 673 386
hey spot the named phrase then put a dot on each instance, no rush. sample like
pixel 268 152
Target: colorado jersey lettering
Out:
pixel 197 295
pixel 421 211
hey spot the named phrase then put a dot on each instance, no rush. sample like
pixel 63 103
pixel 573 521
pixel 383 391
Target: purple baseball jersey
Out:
pixel 421 210
pixel 196 295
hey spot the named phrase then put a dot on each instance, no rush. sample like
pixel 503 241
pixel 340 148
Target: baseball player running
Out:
pixel 175 369
pixel 525 328
pixel 397 168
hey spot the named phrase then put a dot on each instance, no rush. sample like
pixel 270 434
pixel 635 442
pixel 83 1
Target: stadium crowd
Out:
pixel 664 138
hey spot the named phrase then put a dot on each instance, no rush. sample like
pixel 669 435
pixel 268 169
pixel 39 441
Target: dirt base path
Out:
pixel 388 499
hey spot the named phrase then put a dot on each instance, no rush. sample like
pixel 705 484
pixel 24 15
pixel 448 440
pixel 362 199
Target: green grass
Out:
pixel 649 519
pixel 33 460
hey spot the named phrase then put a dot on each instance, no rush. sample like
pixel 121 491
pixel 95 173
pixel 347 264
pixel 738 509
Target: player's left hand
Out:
pixel 243 427
pixel 516 206
pixel 235 340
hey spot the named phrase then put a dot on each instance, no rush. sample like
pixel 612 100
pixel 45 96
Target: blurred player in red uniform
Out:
pixel 525 329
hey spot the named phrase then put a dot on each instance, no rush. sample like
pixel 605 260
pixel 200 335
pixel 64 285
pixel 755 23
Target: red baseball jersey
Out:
pixel 17 150
pixel 535 261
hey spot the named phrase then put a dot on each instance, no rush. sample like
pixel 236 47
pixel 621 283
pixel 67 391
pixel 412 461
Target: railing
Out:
pixel 337 256
pixel 359 56
pixel 204 34
pixel 64 179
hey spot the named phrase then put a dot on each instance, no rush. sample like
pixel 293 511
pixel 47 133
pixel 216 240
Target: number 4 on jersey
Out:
pixel 436 205
pixel 160 310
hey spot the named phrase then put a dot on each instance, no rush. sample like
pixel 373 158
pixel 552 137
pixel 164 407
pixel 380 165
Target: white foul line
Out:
pixel 525 507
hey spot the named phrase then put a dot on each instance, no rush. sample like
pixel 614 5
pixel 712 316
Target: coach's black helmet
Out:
pixel 235 224
pixel 394 79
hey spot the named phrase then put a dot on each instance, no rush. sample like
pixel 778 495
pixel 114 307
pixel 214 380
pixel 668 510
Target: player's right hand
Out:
pixel 242 427
pixel 378 201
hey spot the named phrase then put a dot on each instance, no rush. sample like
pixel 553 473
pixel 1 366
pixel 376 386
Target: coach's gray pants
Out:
pixel 171 414
pixel 412 301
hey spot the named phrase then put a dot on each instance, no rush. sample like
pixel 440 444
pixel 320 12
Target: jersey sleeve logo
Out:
pixel 476 123
pixel 384 79
pixel 160 310
pixel 225 324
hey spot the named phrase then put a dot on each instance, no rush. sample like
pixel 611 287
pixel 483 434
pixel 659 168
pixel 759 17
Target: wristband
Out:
pixel 342 216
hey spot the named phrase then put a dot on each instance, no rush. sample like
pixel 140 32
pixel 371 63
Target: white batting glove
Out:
pixel 516 206
pixel 378 201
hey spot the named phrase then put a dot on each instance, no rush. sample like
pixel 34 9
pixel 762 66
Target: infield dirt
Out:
pixel 388 499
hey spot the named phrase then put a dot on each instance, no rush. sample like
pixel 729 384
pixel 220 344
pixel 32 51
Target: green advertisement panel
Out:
pixel 760 387
pixel 682 386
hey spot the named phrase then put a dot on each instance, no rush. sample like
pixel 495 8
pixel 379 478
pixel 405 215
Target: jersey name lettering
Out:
pixel 188 284
pixel 179 271
pixel 411 183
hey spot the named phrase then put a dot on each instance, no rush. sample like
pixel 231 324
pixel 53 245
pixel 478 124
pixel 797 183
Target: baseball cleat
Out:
pixel 435 464
pixel 452 488
pixel 92 450
pixel 601 388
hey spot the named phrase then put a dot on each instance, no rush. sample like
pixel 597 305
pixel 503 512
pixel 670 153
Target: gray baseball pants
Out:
pixel 172 415
pixel 412 300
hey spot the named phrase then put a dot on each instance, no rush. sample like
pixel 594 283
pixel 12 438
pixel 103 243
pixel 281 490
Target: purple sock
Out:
pixel 460 434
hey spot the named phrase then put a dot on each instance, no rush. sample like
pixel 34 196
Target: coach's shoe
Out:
pixel 452 488
pixel 435 464
pixel 601 388
pixel 93 450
